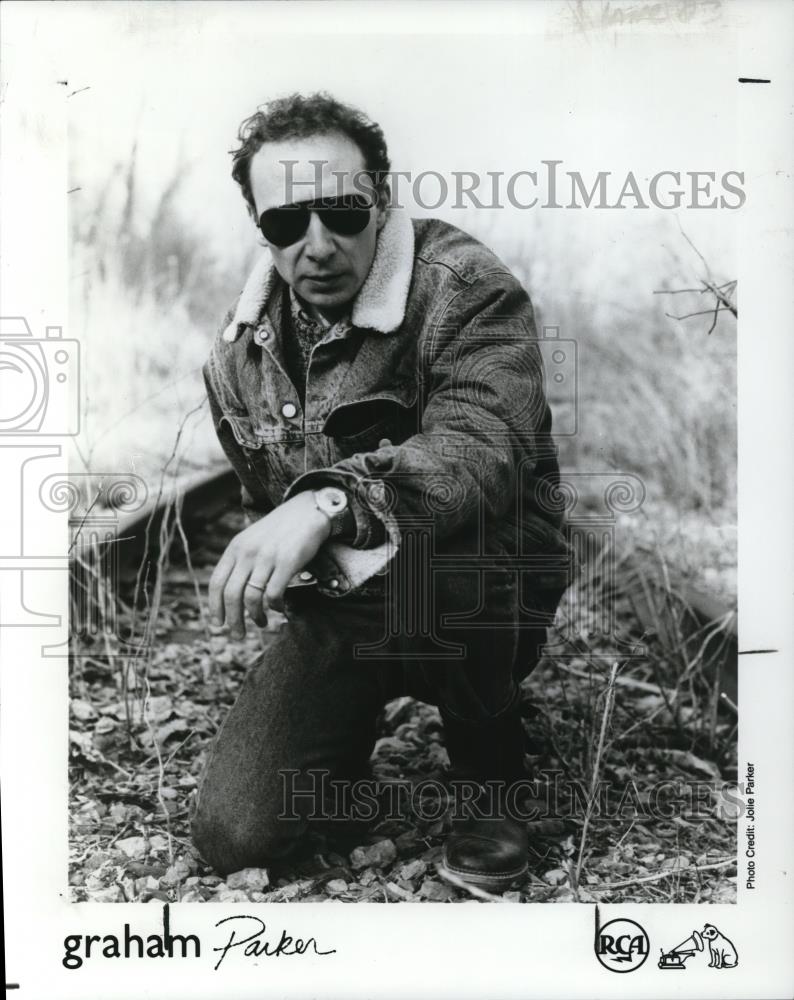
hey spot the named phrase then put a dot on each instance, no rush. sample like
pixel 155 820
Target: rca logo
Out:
pixel 620 945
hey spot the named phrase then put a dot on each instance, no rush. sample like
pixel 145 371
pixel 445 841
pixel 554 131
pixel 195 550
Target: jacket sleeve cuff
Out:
pixel 362 530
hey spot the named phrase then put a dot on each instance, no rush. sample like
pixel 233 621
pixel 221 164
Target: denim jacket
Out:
pixel 439 357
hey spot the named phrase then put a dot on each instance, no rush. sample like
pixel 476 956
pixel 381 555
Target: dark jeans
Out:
pixel 311 701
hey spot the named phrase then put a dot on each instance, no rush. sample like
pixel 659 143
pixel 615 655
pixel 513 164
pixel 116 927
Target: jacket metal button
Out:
pixel 333 583
pixel 289 410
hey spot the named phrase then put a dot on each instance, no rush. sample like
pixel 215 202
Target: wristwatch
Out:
pixel 333 503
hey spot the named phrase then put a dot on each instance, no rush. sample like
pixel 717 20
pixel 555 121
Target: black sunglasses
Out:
pixel 347 215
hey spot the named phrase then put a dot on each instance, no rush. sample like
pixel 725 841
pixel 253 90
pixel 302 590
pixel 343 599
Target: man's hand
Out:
pixel 259 562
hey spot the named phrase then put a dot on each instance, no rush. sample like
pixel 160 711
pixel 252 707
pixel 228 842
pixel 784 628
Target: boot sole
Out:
pixel 483 880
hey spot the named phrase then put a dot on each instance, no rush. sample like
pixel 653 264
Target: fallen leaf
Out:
pixel 436 891
pixel 82 710
pixel 133 847
pixel 225 895
pixel 556 876
pixel 413 869
pixel 177 873
pixel 147 883
pixel 689 762
pixel 375 855
pixel 249 878
pixel 159 708
pixel 396 892
pixel 674 863
pixel 172 728
pixel 110 894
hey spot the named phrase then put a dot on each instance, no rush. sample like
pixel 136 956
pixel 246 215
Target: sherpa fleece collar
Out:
pixel 379 305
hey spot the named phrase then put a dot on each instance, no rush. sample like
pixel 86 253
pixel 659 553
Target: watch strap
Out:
pixel 340 519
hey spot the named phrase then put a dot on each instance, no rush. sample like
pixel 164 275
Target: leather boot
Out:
pixel 487 847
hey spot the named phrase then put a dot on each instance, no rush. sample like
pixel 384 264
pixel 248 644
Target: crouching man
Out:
pixel 379 392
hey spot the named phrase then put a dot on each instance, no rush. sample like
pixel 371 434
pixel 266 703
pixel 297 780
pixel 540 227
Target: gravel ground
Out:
pixel 138 744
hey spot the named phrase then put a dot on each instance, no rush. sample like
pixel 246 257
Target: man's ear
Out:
pixel 382 204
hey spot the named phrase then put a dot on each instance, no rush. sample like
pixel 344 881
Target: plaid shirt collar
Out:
pixel 300 317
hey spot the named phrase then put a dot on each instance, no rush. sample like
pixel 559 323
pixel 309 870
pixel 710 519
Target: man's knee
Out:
pixel 229 841
pixel 238 825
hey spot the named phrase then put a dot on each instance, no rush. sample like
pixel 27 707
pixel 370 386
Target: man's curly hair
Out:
pixel 299 116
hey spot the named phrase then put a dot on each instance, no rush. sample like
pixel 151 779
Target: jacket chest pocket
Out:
pixel 254 459
pixel 242 430
pixel 362 425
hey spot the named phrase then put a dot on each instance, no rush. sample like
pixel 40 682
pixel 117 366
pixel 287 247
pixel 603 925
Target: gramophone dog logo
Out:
pixel 722 953
pixel 620 945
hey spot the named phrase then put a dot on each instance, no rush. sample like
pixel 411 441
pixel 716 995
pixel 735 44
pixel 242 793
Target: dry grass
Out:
pixel 146 299
pixel 656 397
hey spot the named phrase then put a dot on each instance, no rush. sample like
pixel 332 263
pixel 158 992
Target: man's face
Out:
pixel 325 269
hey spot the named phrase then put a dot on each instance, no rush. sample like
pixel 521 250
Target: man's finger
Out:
pixel 254 595
pixel 277 584
pixel 233 601
pixel 218 580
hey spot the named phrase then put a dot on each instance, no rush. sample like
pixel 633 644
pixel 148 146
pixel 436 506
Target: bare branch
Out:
pixel 609 701
pixel 717 310
pixel 702 258
pixel 723 293
pixel 722 297
pixel 665 874
pixel 700 312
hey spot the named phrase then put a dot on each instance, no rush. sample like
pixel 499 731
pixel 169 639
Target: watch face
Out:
pixel 332 499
